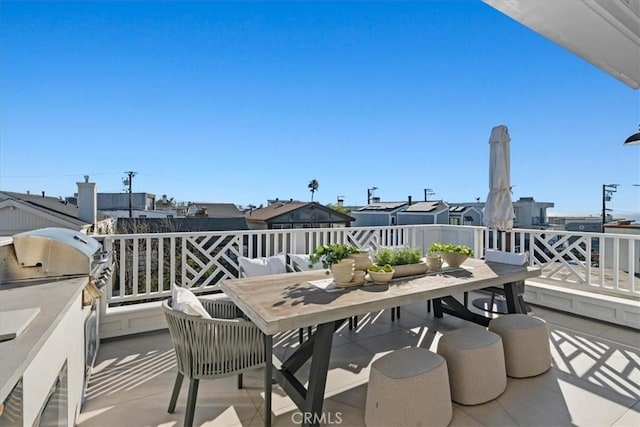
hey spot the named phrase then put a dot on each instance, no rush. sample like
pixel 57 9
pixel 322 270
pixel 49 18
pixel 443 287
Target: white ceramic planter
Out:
pixel 454 259
pixel 409 269
pixel 362 261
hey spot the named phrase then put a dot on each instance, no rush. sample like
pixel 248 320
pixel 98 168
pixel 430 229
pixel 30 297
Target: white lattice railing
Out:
pixel 591 261
pixel 147 264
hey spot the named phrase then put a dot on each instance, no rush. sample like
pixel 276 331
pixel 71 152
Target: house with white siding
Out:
pixel 20 212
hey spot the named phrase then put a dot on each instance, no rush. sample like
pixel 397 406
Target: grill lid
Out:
pixel 56 250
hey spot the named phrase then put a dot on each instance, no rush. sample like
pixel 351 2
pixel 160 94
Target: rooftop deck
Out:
pixel 594 381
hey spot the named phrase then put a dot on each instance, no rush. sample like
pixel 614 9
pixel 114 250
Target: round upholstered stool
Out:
pixel 408 387
pixel 526 344
pixel 475 360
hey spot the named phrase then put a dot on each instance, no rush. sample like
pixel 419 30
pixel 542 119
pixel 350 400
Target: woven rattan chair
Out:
pixel 226 345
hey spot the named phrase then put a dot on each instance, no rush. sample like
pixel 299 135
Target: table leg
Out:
pixel 515 304
pixel 318 373
pixel 268 375
pixel 437 307
pixel 454 307
pixel 317 348
pixel 513 300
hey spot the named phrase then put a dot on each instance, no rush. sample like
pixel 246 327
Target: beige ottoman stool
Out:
pixel 475 360
pixel 526 344
pixel 408 387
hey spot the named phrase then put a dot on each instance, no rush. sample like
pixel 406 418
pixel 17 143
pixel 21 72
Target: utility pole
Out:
pixel 129 181
pixel 607 191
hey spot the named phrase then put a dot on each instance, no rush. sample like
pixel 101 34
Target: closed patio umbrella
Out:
pixel 498 211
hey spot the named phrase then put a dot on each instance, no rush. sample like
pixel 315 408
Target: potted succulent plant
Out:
pixel 453 255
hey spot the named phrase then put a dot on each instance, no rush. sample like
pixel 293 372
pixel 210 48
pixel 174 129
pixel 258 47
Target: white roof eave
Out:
pixel 605 33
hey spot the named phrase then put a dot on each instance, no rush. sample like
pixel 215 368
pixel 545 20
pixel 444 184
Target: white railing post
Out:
pixel 631 262
pixel 616 260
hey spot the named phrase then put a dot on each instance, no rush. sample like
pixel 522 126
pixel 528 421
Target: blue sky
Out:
pixel 241 102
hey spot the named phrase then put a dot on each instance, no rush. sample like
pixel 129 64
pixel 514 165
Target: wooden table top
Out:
pixel 287 301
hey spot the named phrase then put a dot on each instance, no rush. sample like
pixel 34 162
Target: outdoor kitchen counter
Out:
pixel 55 299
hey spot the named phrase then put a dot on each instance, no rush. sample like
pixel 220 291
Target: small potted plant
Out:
pixel 381 274
pixel 334 258
pixel 453 255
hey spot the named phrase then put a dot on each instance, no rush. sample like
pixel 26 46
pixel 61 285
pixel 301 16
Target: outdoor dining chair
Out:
pixel 209 348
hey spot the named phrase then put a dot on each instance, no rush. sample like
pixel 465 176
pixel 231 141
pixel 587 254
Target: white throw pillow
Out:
pixel 506 257
pixel 252 267
pixel 302 262
pixel 185 301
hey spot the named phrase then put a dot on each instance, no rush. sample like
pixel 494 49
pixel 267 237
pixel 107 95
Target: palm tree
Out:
pixel 313 187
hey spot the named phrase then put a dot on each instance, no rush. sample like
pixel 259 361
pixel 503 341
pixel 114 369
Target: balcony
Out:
pixel 586 278
pixel 589 274
pixel 594 381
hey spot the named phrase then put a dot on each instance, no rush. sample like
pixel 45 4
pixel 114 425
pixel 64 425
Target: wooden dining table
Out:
pixel 289 301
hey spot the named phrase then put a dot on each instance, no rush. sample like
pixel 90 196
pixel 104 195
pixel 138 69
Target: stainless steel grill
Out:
pixel 55 254
pixel 52 253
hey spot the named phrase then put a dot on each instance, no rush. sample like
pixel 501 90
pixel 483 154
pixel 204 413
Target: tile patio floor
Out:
pixel 594 381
